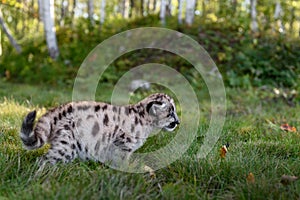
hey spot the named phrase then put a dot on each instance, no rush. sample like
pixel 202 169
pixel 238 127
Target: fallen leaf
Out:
pixel 286 179
pixel 250 178
pixel 223 151
pixel 287 127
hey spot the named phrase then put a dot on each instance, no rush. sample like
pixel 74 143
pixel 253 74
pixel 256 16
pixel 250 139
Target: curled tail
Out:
pixel 30 137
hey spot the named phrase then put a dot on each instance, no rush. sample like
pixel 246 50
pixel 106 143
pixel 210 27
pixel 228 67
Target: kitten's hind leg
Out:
pixel 63 148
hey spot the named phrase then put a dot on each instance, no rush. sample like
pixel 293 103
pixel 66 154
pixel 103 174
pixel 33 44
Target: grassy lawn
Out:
pixel 252 128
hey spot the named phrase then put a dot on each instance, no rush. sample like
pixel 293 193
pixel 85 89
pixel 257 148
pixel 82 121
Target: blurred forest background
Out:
pixel 254 43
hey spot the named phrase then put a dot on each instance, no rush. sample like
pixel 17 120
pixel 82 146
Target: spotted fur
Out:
pixel 98 131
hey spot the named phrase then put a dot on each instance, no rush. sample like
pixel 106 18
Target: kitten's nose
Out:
pixel 177 121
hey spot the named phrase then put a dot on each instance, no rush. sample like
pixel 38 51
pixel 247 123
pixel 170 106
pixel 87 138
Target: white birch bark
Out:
pixel 91 11
pixel 180 6
pixel 162 14
pixel 278 16
pixel 49 28
pixel 169 8
pixel 123 8
pixel 254 24
pixel 190 11
pixel 9 35
pixel 102 11
pixel 0 43
pixel 40 10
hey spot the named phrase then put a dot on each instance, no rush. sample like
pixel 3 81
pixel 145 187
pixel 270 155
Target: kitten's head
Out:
pixel 162 110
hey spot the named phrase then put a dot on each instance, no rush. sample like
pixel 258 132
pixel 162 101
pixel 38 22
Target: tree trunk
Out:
pixel 142 8
pixel 63 12
pixel 8 34
pixel 162 14
pixel 72 10
pixel 49 28
pixel 190 11
pixel 254 24
pixel 123 8
pixel 203 9
pixel 278 16
pixel 102 11
pixel 180 5
pixel 169 8
pixel 154 5
pixel 234 5
pixel 40 8
pixel 131 6
pixel 147 6
pixel 293 17
pixel 91 12
pixel 0 42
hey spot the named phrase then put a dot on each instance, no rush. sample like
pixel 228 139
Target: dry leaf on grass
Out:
pixel 223 151
pixel 250 178
pixel 287 127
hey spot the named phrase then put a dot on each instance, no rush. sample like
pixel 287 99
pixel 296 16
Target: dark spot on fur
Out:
pixel 114 118
pixel 115 131
pixel 57 159
pixel 89 117
pixel 73 125
pixel 128 139
pixel 59 116
pixel 141 122
pixel 86 150
pixel 79 146
pixel 132 128
pixel 136 121
pixel 122 135
pixel 66 127
pixel 64 113
pixel 104 107
pixel 95 129
pixel 73 146
pixel 97 146
pixel 70 109
pixel 127 149
pixel 72 134
pixel 118 142
pixel 114 109
pixel 142 113
pixel 126 111
pixel 55 120
pixel 105 120
pixel 83 107
pixel 118 118
pixel 64 142
pixel 103 137
pixel 68 157
pixel 97 108
pixel 61 153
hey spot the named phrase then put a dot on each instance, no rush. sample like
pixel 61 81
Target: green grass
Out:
pixel 257 145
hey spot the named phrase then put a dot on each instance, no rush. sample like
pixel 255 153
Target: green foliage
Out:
pixel 244 60
pixel 255 147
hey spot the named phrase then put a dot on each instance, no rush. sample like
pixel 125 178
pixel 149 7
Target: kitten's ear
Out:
pixel 154 107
